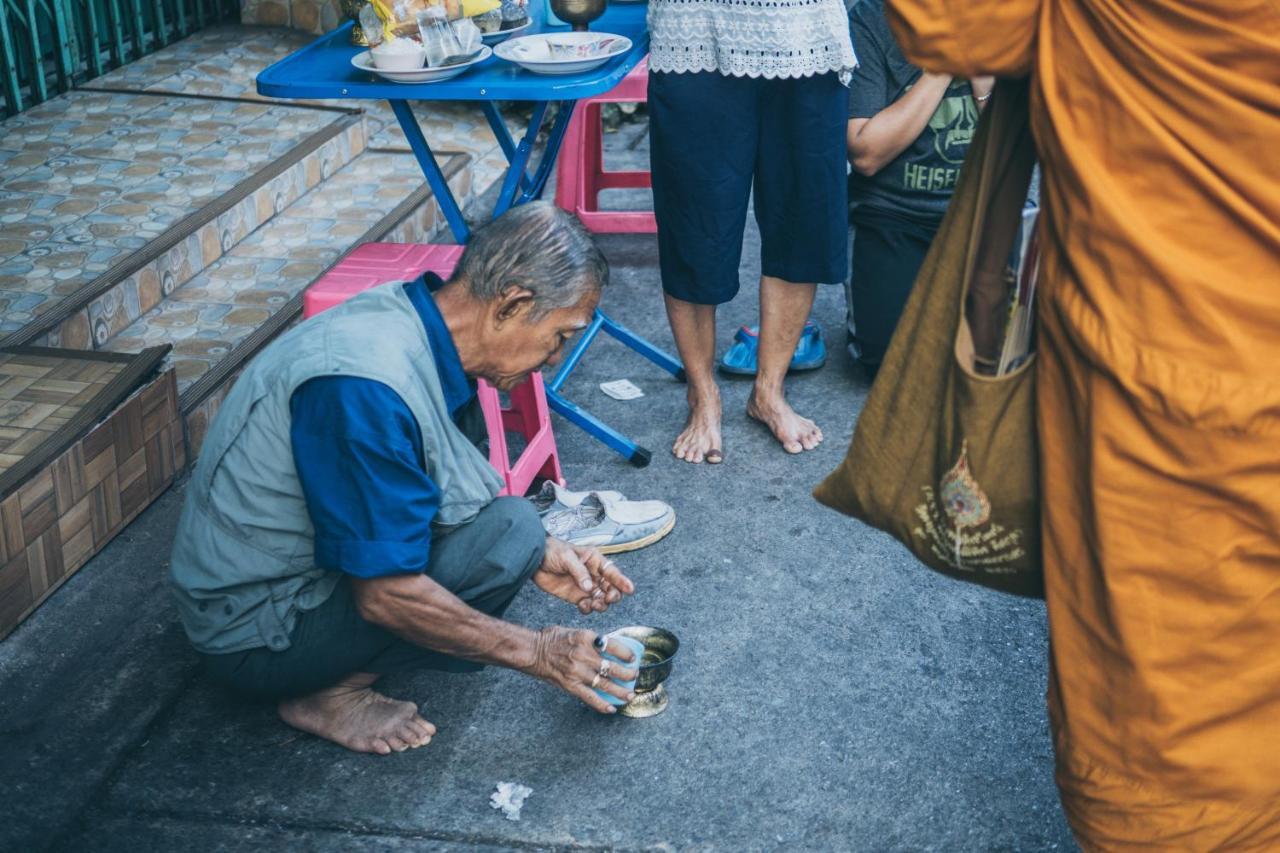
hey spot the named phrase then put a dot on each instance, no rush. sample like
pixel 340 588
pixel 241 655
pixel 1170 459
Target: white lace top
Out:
pixel 752 38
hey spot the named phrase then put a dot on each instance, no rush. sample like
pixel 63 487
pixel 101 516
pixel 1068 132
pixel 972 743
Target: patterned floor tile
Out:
pixel 365 191
pixel 17 308
pixel 18 237
pixel 70 176
pixel 291 120
pixel 169 145
pixel 219 116
pixel 51 137
pixel 300 239
pixel 185 184
pixel 198 81
pixel 232 72
pixel 86 105
pixel 55 211
pixel 56 269
pixel 201 334
pixel 142 73
pixel 152 70
pixel 247 150
pixel 14 163
pixel 250 282
pixel 124 224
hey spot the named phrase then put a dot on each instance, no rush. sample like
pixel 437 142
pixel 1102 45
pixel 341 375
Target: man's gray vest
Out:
pixel 243 564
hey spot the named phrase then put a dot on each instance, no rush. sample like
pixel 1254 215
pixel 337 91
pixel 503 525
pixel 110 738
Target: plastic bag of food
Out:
pixel 438 38
pixel 371 25
pixel 470 39
pixel 489 22
pixel 514 13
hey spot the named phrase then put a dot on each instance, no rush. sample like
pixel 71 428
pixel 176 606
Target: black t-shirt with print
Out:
pixel 917 185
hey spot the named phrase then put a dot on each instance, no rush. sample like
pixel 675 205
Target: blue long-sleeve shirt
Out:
pixel 359 455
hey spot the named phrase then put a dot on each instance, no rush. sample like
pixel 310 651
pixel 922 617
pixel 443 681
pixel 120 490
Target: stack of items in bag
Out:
pixel 1022 272
pixel 603 520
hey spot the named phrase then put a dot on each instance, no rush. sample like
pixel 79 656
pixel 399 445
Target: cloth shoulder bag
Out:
pixel 943 458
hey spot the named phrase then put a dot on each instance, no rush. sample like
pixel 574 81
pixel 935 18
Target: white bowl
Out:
pixel 503 35
pixel 364 62
pixel 385 59
pixel 533 53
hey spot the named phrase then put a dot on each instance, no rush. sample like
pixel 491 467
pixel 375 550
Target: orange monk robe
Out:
pixel 1158 127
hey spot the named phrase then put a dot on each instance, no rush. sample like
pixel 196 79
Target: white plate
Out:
pixel 364 62
pixel 503 35
pixel 532 53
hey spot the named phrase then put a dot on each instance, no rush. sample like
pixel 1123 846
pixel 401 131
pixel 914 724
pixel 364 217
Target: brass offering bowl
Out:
pixel 660 647
pixel 579 13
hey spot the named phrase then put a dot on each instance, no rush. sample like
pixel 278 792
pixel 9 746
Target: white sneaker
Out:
pixel 605 520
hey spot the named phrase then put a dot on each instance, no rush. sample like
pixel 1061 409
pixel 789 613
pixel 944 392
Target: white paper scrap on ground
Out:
pixel 510 798
pixel 621 389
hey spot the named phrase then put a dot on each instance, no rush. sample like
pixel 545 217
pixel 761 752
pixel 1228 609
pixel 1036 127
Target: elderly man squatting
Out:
pixel 341 523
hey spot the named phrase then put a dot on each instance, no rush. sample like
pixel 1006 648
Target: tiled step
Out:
pixel 222 317
pixel 109 201
pixel 220 61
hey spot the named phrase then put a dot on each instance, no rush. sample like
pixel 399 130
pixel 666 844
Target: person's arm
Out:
pixel 966 39
pixel 360 463
pixel 426 614
pixel 875 142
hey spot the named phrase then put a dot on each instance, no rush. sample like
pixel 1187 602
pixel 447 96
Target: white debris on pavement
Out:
pixel 622 389
pixel 510 798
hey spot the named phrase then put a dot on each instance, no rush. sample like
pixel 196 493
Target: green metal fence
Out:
pixel 48 46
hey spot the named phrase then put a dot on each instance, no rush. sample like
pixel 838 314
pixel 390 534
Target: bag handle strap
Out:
pixel 1007 159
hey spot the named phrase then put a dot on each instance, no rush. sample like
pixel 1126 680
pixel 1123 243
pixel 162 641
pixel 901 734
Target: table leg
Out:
pixel 500 132
pixel 517 174
pixel 598 429
pixel 519 160
pixel 435 177
pixel 595 427
pixel 575 355
pixel 554 140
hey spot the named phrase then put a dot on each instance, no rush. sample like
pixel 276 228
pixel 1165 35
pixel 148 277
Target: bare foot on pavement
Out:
pixel 700 439
pixel 794 433
pixel 353 715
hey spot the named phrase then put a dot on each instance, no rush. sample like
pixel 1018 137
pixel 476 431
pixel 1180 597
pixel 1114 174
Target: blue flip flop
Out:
pixel 740 360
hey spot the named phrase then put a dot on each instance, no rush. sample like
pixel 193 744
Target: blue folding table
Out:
pixel 323 69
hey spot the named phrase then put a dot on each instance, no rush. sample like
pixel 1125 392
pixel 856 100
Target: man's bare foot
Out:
pixel 794 433
pixel 353 715
pixel 700 439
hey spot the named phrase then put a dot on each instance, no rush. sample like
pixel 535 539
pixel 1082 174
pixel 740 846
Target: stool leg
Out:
pixel 569 174
pixel 499 456
pixel 592 158
pixel 535 398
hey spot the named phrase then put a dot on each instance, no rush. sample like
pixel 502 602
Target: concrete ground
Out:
pixel 830 692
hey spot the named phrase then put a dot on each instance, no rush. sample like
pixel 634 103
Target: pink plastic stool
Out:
pixel 581 172
pixel 375 263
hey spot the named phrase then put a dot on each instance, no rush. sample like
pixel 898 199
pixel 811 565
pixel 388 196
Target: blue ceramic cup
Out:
pixel 637 648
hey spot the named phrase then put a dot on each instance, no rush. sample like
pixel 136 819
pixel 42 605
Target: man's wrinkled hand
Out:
pixel 571 661
pixel 581 576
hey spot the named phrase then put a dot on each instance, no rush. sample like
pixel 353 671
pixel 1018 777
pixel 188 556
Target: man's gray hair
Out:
pixel 539 247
